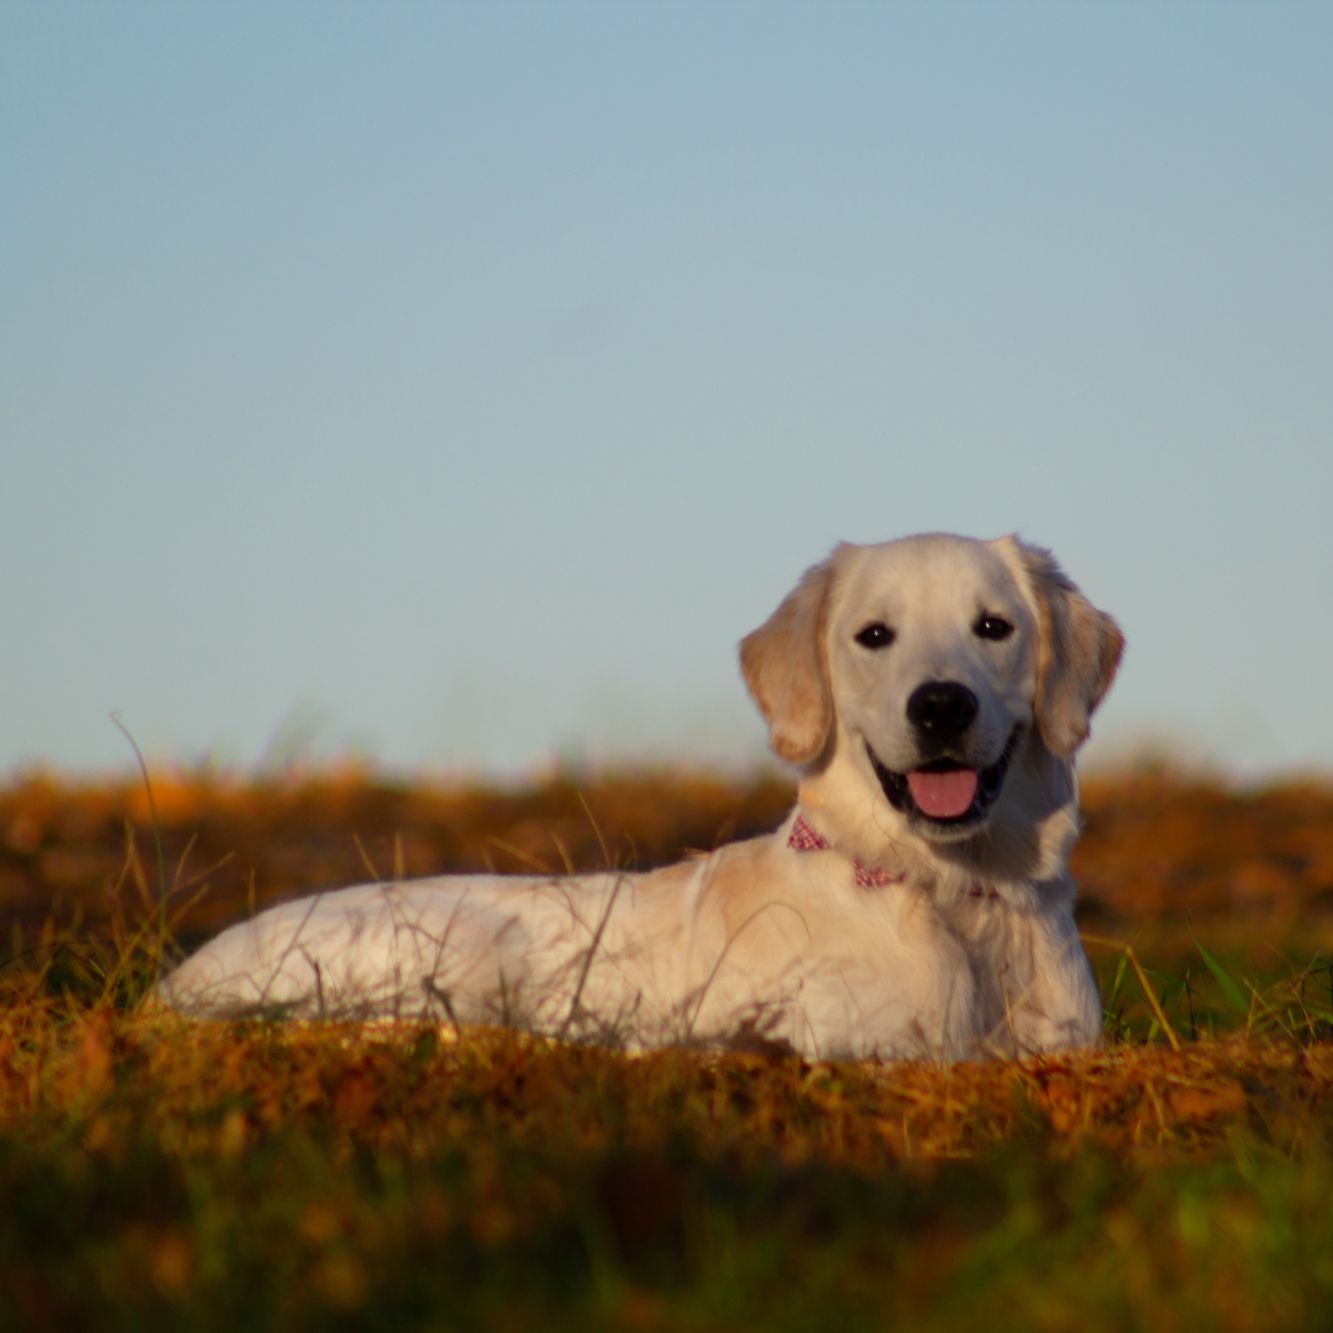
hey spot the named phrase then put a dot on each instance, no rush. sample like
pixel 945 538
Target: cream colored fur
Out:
pixel 971 950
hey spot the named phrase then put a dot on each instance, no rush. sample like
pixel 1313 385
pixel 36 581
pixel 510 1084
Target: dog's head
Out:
pixel 932 664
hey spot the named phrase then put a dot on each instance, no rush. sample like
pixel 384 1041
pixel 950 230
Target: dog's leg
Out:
pixel 1051 1000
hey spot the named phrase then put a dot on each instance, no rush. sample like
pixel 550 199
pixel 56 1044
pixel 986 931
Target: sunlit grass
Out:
pixel 163 1173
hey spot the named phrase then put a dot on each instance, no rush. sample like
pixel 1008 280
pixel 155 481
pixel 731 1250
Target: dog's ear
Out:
pixel 786 670
pixel 1078 651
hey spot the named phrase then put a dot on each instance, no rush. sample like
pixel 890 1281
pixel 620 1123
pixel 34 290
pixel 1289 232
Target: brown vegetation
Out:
pixel 1256 867
pixel 163 1172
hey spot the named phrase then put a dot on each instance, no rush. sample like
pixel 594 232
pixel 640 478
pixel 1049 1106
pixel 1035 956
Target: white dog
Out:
pixel 932 692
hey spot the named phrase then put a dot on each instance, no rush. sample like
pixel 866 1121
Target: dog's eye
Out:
pixel 875 635
pixel 992 627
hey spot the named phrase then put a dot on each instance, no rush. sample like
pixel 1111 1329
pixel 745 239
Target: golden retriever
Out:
pixel 932 692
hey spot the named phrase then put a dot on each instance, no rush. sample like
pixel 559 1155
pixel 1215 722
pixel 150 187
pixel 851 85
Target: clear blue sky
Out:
pixel 454 384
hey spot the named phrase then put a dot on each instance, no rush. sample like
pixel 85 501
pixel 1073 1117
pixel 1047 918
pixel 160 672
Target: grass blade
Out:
pixel 1233 994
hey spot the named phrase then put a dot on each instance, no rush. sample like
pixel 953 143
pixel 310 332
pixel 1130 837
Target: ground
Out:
pixel 281 1175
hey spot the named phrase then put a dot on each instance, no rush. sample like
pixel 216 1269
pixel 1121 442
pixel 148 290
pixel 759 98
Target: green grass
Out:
pixel 305 1229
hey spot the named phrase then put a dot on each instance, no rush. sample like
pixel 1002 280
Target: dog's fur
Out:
pixel 862 927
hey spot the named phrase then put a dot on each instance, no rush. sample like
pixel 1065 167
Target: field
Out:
pixel 157 1173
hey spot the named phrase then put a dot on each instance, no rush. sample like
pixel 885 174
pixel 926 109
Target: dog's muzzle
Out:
pixel 944 792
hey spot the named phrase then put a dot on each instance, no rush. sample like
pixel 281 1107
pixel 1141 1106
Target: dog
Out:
pixel 932 692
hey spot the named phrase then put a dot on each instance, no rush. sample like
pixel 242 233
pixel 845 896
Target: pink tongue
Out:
pixel 943 795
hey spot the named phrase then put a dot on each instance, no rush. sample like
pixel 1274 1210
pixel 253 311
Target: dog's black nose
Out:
pixel 941 709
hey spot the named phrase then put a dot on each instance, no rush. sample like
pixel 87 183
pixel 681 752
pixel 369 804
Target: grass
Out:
pixel 163 1174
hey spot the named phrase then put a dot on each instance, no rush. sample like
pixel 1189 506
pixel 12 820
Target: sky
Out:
pixel 451 386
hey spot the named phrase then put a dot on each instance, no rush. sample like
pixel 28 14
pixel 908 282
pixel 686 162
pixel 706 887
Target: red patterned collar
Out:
pixel 803 838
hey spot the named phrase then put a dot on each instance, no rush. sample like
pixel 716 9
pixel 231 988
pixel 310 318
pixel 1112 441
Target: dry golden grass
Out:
pixel 289 1175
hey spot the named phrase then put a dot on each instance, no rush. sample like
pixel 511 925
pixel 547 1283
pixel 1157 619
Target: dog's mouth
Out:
pixel 945 792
